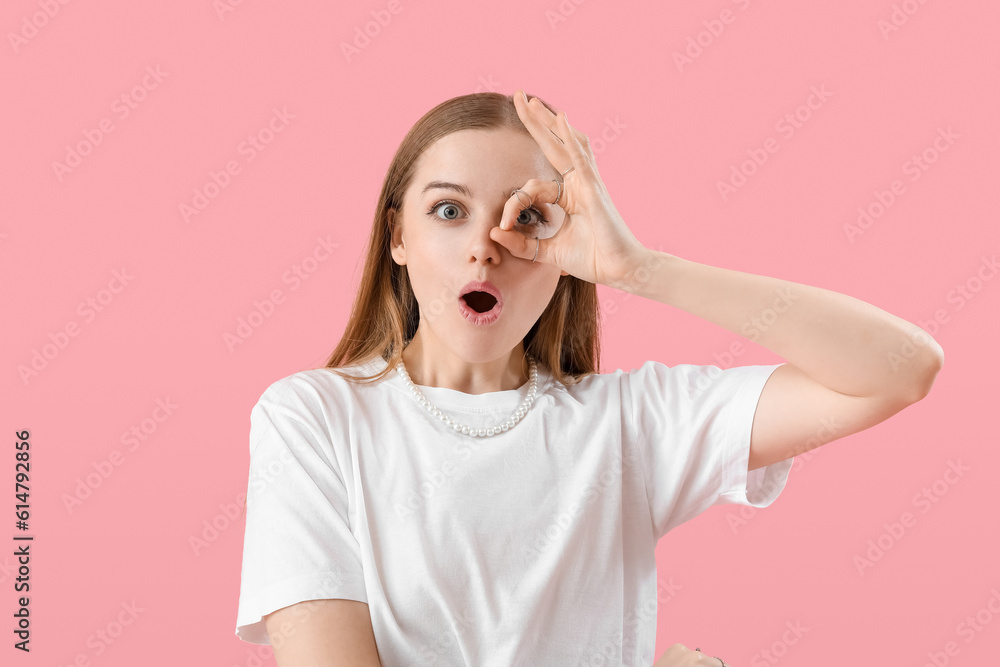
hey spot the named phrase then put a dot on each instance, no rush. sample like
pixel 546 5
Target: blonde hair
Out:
pixel 385 314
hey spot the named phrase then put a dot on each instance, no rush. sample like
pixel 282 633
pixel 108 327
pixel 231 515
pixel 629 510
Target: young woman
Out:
pixel 460 485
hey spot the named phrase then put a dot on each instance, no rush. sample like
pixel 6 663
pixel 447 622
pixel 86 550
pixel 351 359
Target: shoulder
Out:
pixel 591 387
pixel 306 407
pixel 318 387
pixel 693 386
pixel 599 381
pixel 653 379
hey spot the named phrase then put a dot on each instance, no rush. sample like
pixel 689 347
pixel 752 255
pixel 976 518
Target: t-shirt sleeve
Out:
pixel 298 543
pixel 692 427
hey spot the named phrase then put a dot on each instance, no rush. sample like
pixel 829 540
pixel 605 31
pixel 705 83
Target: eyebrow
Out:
pixel 457 187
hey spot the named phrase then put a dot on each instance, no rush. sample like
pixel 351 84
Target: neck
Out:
pixel 505 373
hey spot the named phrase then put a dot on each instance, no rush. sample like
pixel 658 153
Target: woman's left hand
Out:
pixel 593 243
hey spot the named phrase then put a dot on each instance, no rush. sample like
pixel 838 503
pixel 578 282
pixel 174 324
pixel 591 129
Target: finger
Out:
pixel 579 146
pixel 532 194
pixel 544 127
pixel 517 244
pixel 575 144
pixel 533 106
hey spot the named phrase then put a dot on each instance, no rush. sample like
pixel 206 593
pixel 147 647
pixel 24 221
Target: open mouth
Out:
pixel 481 302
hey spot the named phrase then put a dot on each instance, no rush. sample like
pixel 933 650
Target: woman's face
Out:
pixel 442 235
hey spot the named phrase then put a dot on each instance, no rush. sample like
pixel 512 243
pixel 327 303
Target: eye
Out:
pixel 524 219
pixel 447 206
pixel 452 211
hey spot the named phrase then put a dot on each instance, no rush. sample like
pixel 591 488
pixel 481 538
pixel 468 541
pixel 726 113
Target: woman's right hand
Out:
pixel 679 655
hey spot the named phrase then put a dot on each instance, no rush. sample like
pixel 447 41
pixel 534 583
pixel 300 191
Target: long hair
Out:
pixel 385 314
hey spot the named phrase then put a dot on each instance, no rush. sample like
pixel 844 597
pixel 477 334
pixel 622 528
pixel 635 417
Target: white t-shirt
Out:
pixel 532 547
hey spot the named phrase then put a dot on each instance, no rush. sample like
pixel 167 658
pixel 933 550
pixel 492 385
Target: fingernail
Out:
pixel 525 96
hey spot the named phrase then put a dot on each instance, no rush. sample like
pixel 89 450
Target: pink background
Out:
pixel 671 133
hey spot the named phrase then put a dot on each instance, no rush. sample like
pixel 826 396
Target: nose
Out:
pixel 482 247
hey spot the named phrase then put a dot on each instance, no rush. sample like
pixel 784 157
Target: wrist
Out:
pixel 643 271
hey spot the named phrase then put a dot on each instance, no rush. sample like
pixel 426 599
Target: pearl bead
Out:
pixel 503 427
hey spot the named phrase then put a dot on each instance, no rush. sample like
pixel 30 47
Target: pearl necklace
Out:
pixel 515 417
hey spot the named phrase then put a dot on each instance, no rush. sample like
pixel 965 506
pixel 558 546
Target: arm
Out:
pixel 323 633
pixel 849 365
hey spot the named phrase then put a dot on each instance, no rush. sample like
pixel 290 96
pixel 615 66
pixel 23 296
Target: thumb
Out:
pixel 516 242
